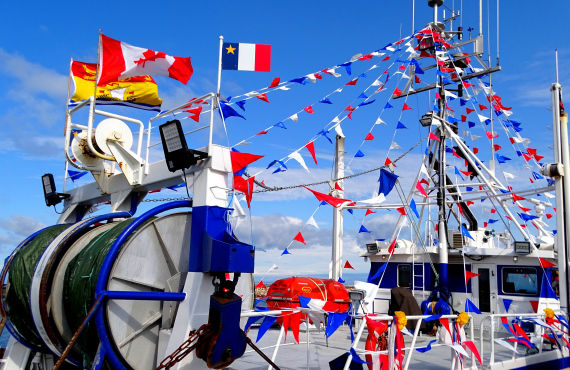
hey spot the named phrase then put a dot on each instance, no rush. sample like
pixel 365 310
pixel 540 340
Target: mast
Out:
pixel 562 188
pixel 336 258
pixel 442 223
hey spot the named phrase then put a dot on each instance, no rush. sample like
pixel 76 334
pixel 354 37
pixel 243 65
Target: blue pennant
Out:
pixel 465 233
pixel 458 173
pixel 492 221
pixel 400 125
pixel 526 217
pixel 324 133
pixel 428 347
pixel 347 67
pixel 341 280
pixel 334 321
pixel 388 105
pixel 280 124
pixel 470 307
pixel 76 175
pixel 366 103
pixel 462 101
pixel 285 251
pixel 350 211
pixel 265 325
pixel 359 154
pixel 227 111
pixel 362 96
pixel 471 124
pixel 507 303
pixel 414 208
pixel 375 278
pixel 241 104
pixel 363 229
pixel 304 301
pixel 325 101
pixel 300 80
pixel 357 359
pixel 502 158
pixel 387 181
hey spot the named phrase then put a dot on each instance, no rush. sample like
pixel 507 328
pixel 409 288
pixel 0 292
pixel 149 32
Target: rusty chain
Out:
pixel 185 348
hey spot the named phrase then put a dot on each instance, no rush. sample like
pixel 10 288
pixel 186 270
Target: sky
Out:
pixel 40 38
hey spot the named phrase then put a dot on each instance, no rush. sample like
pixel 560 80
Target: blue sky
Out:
pixel 39 39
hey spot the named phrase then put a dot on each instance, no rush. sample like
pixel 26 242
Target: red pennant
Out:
pixel 493 210
pixel 240 160
pixel 401 210
pixel 285 319
pixel 475 150
pixel 545 263
pixel 365 57
pixel 421 189
pixel 397 92
pixel 388 162
pixel 470 202
pixel 349 108
pixel 352 82
pixel 468 110
pixel 469 275
pixel 406 107
pixel 433 136
pixel 299 238
pixel 333 201
pixel 474 350
pixel 517 198
pixel 392 246
pixel 263 97
pixel 311 148
pixel 445 323
pixel 309 109
pixel 497 147
pixel 467 84
pixel 417 79
pixel 549 216
pixel 466 173
pixel 368 212
pixel 369 137
pixel 482 107
pixel 260 284
pixel 295 322
pixel 275 82
pixel 463 118
pixel 262 132
pixel 534 305
pixel 485 223
pixel 195 113
pixel 385 59
pixel 455 153
pixel 527 157
pixel 347 265
pixel 245 186
pixel 337 186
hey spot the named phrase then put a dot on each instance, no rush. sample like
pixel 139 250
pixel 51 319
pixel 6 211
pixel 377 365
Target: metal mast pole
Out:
pixel 336 258
pixel 562 188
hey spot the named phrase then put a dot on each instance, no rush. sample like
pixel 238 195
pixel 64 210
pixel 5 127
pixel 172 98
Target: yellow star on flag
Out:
pixel 230 49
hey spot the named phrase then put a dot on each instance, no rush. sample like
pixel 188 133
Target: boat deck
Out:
pixel 320 351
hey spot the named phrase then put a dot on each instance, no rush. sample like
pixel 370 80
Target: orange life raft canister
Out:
pixel 284 293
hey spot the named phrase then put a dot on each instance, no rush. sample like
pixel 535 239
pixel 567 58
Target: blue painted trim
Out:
pixel 559 363
pixel 109 349
pixel 143 296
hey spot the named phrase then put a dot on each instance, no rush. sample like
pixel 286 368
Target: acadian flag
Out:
pixel 119 60
pixel 138 92
pixel 246 57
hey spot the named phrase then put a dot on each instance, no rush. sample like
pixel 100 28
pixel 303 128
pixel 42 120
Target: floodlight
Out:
pixel 427 119
pixel 176 152
pixel 51 196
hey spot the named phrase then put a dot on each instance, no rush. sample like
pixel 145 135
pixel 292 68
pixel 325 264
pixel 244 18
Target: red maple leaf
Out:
pixel 150 56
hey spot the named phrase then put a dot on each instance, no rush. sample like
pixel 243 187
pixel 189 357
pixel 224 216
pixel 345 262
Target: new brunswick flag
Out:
pixel 138 92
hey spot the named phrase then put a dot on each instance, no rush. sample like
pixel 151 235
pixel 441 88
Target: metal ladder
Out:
pixel 418 273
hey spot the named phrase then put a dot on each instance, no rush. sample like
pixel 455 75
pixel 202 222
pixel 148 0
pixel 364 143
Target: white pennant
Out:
pixel 507 113
pixel 464 133
pixel 338 130
pixel 294 118
pixel 380 198
pixel 273 267
pixel 395 145
pixel 332 72
pixel 311 77
pixel 508 175
pixel 517 140
pixel 338 90
pixel 251 94
pixel 285 88
pixel 423 170
pixel 373 67
pixel 335 120
pixel 379 121
pixel 390 48
pixel 239 213
pixel 311 221
pixel 482 118
pixel 450 94
pixel 376 83
pixel 475 137
pixel 548 195
pixel 297 156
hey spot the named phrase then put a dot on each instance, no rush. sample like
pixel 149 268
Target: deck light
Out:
pixel 51 196
pixel 427 119
pixel 176 152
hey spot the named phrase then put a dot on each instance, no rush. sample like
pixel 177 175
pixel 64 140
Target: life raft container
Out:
pixel 327 294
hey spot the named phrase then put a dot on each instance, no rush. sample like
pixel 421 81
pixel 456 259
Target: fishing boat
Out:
pixel 173 287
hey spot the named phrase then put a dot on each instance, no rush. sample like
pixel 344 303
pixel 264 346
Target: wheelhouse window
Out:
pixel 520 280
pixel 404 275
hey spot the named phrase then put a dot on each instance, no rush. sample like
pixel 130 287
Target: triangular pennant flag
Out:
pixel 285 251
pixel 375 278
pixel 227 111
pixel 347 265
pixel 507 303
pixel 420 188
pixel 333 201
pixel 240 160
pixel 334 321
pixel 311 148
pixel 263 97
pixel 275 82
pixel 299 238
pixel 359 154
pixel 311 221
pixel 337 186
pixel 401 210
pixel 369 136
pixel 368 212
pixel 294 117
pixel 545 263
pixel 534 305
pixel 469 275
pixel 265 325
pixel 392 246
pixel 363 229
pixel 75 175
pixel 433 136
pixel 297 156
pixel 465 233
pixel 260 284
pixel 387 181
pixel 406 107
pixel 400 125
pixel 414 208
pixel 395 145
pixel 309 109
pixel 470 307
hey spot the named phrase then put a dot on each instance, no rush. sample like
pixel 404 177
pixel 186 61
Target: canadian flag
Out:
pixel 119 60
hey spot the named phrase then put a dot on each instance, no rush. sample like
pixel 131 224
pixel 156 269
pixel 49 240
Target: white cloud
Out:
pixel 15 229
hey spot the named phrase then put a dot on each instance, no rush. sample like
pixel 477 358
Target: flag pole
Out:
pixel 216 98
pixel 94 97
pixel 67 120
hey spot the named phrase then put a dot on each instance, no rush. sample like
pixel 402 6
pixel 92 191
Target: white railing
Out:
pixel 491 320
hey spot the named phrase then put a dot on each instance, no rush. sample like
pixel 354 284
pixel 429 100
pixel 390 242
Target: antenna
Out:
pixel 556 62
